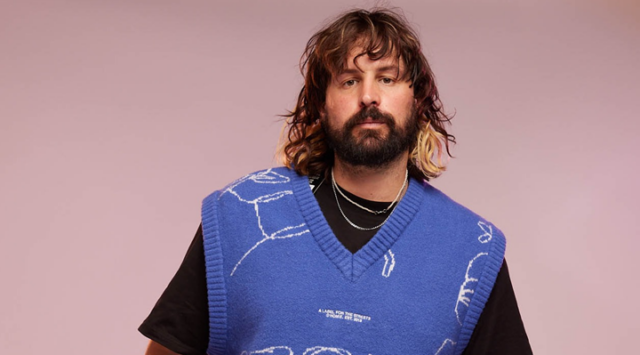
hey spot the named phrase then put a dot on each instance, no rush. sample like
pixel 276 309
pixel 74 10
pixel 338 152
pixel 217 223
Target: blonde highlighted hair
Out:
pixel 381 33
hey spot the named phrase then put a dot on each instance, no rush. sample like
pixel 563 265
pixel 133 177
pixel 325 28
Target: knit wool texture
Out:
pixel 279 281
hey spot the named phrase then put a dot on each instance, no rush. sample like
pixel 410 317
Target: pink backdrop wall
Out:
pixel 118 117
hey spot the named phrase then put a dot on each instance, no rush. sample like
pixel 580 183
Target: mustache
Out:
pixel 371 112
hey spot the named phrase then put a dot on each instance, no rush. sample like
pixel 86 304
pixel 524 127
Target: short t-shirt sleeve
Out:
pixel 180 318
pixel 500 330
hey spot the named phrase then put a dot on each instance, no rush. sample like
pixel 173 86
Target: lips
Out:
pixel 373 120
pixel 369 122
pixel 370 116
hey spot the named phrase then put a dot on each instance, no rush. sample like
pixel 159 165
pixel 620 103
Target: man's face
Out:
pixel 369 117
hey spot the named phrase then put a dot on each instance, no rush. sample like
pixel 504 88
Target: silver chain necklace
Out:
pixel 334 185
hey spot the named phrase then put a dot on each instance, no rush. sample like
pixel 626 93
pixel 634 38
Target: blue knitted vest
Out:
pixel 279 281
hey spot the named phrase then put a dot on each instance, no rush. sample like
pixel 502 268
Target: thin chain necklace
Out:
pixel 334 185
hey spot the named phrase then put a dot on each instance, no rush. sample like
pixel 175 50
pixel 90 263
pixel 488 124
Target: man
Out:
pixel 347 249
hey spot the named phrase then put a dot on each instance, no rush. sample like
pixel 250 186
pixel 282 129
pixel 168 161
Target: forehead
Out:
pixel 359 59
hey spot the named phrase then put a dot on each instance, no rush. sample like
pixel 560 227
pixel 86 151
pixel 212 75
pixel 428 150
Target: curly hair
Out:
pixel 380 33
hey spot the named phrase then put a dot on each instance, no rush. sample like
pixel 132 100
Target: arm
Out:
pixel 500 330
pixel 180 319
pixel 157 349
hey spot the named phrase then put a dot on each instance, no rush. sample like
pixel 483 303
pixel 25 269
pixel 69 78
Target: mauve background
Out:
pixel 118 117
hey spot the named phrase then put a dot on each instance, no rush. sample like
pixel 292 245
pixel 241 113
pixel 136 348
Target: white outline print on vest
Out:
pixel 446 342
pixel 265 177
pixel 271 350
pixel 389 263
pixel 322 350
pixel 488 232
pixel 316 350
pixel 465 290
pixel 261 177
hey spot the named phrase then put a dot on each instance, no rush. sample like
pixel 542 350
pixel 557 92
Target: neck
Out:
pixel 374 184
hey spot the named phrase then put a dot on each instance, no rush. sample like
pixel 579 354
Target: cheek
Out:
pixel 334 102
pixel 405 102
pixel 337 109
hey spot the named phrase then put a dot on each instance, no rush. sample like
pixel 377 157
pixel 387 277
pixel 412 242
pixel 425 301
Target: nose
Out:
pixel 369 94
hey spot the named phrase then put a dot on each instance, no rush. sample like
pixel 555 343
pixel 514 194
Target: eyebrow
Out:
pixel 386 68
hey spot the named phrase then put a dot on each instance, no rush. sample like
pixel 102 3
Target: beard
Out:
pixel 371 148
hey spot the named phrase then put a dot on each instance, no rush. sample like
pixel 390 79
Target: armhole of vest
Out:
pixel 216 289
pixel 482 290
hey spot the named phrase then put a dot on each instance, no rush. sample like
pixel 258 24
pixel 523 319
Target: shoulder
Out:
pixel 452 214
pixel 251 186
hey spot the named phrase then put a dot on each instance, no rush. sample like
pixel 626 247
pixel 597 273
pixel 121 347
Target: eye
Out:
pixel 387 80
pixel 349 83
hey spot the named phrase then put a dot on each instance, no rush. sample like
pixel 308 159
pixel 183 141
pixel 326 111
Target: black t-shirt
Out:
pixel 180 318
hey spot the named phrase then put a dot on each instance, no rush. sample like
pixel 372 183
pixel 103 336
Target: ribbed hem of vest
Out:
pixel 482 291
pixel 216 290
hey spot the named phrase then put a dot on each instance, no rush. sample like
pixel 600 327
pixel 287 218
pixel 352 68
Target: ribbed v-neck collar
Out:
pixel 351 265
